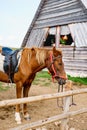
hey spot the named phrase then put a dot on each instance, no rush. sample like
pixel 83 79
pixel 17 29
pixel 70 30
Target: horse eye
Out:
pixel 60 63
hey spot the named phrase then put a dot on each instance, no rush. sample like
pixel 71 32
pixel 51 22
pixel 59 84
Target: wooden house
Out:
pixel 62 23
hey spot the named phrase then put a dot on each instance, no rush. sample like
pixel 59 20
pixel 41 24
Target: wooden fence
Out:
pixel 64 117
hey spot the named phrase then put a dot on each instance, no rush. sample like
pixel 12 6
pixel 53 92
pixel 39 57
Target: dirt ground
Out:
pixel 43 109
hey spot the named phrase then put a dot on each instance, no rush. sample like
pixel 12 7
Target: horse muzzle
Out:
pixel 60 80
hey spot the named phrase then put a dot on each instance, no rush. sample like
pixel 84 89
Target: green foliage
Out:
pixel 44 79
pixel 43 74
pixel 78 79
pixel 3 87
pixel 63 42
pixel 40 79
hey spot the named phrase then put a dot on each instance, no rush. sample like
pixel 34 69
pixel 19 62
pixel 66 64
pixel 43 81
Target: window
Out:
pixel 50 40
pixel 65 35
pixel 58 36
pixel 66 39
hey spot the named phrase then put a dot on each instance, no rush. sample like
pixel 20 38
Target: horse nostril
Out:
pixel 62 81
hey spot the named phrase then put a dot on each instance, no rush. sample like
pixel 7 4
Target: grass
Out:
pixel 44 74
pixel 78 79
pixel 44 79
pixel 3 87
pixel 40 79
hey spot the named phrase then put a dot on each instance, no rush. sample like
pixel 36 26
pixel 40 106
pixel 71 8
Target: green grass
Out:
pixel 44 74
pixel 78 79
pixel 44 79
pixel 40 78
pixel 2 87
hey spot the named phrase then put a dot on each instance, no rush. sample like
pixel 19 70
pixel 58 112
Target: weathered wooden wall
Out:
pixel 75 61
pixel 52 13
pixel 59 12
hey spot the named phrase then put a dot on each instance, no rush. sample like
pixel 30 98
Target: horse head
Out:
pixel 39 58
pixel 55 66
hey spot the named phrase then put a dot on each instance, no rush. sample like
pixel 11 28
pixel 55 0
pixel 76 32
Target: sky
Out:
pixel 15 19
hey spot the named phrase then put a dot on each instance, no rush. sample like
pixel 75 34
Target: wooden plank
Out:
pixel 66 106
pixel 57 36
pixel 50 120
pixel 76 64
pixel 75 57
pixel 36 37
pixel 57 7
pixel 79 62
pixel 76 73
pixel 58 20
pixel 42 17
pixel 61 20
pixel 41 97
pixel 76 52
pixel 75 68
pixel 59 3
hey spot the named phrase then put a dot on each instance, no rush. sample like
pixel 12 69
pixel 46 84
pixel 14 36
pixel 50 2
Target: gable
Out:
pixel 52 13
pixel 59 12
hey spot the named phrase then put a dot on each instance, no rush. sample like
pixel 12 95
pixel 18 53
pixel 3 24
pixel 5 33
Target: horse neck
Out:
pixel 40 68
pixel 43 65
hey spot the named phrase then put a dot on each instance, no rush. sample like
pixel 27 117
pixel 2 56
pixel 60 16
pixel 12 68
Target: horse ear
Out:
pixel 54 49
pixel 56 52
pixel 32 49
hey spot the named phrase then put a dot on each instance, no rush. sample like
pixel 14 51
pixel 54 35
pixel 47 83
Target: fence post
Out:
pixel 66 105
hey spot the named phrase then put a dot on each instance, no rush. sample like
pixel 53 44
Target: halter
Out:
pixel 52 59
pixel 52 65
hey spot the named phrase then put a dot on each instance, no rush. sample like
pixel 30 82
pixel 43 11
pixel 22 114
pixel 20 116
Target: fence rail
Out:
pixel 12 102
pixel 49 120
pixel 64 117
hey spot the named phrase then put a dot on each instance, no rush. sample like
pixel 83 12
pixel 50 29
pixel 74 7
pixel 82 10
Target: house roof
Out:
pixel 85 3
pixel 57 12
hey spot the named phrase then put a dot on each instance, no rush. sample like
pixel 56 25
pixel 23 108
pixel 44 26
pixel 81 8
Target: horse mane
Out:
pixel 39 53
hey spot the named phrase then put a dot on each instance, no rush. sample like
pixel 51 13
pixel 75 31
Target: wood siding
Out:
pixel 56 12
pixel 37 37
pixel 59 12
pixel 77 65
pixel 52 13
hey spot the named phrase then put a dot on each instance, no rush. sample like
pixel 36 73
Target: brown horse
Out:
pixel 33 60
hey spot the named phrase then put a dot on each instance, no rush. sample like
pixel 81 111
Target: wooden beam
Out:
pixel 49 120
pixel 41 97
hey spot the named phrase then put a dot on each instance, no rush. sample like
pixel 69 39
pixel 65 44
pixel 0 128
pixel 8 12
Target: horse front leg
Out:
pixel 25 94
pixel 18 94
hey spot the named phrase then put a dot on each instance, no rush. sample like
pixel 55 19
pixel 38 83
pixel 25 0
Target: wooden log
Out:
pixel 49 120
pixel 67 102
pixel 41 97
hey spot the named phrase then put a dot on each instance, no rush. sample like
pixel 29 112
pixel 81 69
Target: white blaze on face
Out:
pixel 2 58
